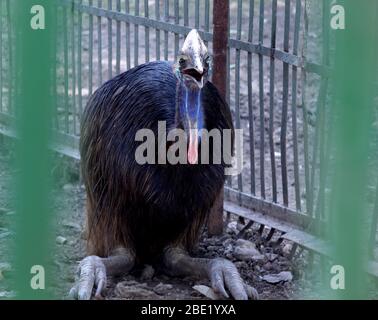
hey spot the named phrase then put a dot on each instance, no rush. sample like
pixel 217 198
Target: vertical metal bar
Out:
pixel 166 19
pixel 322 117
pixel 10 55
pixel 99 39
pixel 118 40
pixel 147 32
pixel 79 59
pixel 65 62
pixel 207 17
pixel 73 59
pixel 128 54
pixel 271 102
pixel 304 115
pixel 220 44
pixel 228 86
pixel 177 21
pixel 90 51
pixel 197 14
pixel 294 106
pixel 285 107
pixel 261 98
pixel 136 35
pixel 56 125
pixel 237 80
pixel 374 222
pixel 157 15
pixel 110 42
pixel 250 101
pixel 186 13
pixel 1 56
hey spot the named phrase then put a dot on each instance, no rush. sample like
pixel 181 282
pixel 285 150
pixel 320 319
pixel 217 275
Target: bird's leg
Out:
pixel 221 272
pixel 93 272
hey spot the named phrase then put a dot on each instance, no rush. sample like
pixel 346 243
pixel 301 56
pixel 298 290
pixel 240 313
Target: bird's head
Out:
pixel 193 62
pixel 192 69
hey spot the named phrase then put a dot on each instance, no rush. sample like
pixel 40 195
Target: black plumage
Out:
pixel 144 207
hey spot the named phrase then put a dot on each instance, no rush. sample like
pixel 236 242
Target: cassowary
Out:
pixel 152 213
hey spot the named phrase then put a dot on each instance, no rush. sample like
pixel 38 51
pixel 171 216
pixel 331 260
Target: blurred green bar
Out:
pixel 35 61
pixel 353 83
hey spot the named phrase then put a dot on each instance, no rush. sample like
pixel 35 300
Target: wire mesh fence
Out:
pixel 278 61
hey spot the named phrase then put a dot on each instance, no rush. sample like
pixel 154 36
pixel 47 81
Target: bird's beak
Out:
pixel 196 74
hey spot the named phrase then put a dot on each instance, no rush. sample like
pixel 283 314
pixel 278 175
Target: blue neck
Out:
pixel 189 111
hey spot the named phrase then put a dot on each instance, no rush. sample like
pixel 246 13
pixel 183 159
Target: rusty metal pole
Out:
pixel 220 42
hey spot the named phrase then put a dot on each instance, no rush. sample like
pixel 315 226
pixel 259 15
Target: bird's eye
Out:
pixel 182 60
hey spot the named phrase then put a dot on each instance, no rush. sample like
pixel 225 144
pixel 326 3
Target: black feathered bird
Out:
pixel 152 213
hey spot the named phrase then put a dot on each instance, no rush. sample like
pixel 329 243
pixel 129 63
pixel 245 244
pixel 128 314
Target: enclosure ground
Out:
pixel 69 248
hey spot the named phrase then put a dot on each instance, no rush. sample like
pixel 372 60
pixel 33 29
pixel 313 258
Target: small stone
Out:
pixel 4 234
pixel 271 256
pixel 124 290
pixel 241 264
pixel 287 248
pixel 68 187
pixel 245 244
pixel 268 266
pixel 232 227
pixel 227 242
pixel 207 292
pixel 60 240
pixel 162 289
pixel 7 294
pixel 147 273
pixel 5 267
pixel 258 258
pixel 284 276
pixel 246 254
pixel 72 225
pixel 229 256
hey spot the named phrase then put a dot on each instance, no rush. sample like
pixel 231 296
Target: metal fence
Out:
pixel 275 64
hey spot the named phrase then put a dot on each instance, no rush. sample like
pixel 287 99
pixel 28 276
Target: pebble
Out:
pixel 207 292
pixel 60 240
pixel 68 187
pixel 124 290
pixel 284 276
pixel 162 289
pixel 232 227
pixel 147 273
pixel 287 248
pixel 7 294
pixel 271 256
pixel 246 250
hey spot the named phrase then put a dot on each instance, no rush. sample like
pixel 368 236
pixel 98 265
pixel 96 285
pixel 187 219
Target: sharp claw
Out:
pixel 252 292
pixel 73 292
pixel 217 283
pixel 91 272
pixel 100 287
pixel 224 274
pixel 235 283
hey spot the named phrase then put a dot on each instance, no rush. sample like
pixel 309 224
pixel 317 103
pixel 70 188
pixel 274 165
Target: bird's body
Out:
pixel 141 212
pixel 145 206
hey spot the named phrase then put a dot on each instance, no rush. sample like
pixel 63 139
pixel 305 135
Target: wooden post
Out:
pixel 220 42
